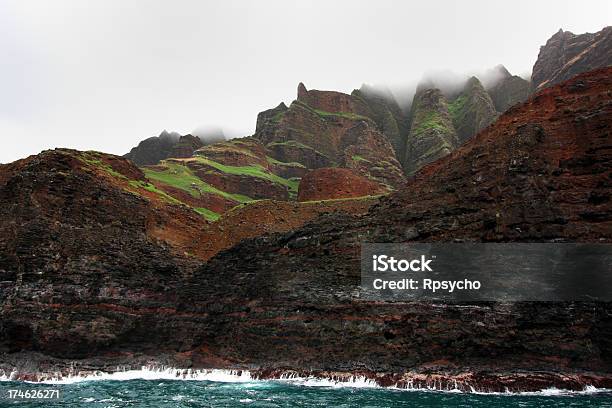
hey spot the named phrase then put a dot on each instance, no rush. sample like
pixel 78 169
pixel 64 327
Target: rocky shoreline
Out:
pixel 34 367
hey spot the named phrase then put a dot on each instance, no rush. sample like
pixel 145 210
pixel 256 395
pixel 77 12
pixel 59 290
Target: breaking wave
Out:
pixel 246 376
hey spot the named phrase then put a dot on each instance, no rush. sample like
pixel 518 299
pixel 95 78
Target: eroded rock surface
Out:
pixel 566 54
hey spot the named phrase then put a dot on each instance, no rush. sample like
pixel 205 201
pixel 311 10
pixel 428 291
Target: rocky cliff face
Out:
pixel 432 134
pixel 566 54
pixel 472 110
pixel 508 90
pixel 326 128
pixel 168 144
pixel 333 183
pixel 83 276
pixel 79 227
pixel 153 149
pixel 385 111
pixel 185 146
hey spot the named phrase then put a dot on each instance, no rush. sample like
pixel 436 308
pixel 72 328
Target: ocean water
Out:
pixel 164 392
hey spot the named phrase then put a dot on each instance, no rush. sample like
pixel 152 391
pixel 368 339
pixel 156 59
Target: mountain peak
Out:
pixel 502 71
pixel 301 91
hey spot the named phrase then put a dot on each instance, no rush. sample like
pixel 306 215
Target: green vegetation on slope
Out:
pixel 356 157
pixel 278 117
pixel 325 114
pixel 456 107
pixel 253 171
pixel 293 143
pixel 181 177
pixel 272 160
pixel 346 115
pixel 225 147
pixel 208 214
pixel 151 188
pixel 431 121
pixel 205 212
pixel 91 158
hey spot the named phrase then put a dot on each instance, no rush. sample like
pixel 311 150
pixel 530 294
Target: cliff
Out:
pixel 153 149
pixel 472 110
pixel 334 183
pixel 84 275
pixel 432 133
pixel 508 90
pixel 566 54
pixel 168 144
pixel 327 129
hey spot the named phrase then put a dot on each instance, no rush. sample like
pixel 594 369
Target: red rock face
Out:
pixel 238 152
pixel 253 187
pixel 566 54
pixel 331 101
pixel 324 128
pixel 329 183
pixel 266 217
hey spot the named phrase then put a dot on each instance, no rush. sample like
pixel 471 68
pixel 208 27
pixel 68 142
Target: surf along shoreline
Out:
pixel 40 369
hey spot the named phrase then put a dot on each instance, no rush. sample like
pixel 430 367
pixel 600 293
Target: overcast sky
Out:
pixel 106 74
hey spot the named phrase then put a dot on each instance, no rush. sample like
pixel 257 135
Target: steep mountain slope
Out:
pixel 432 134
pixel 334 183
pixel 385 111
pixel 566 54
pixel 223 175
pixel 508 90
pixel 78 227
pixel 327 129
pixel 264 217
pixel 472 110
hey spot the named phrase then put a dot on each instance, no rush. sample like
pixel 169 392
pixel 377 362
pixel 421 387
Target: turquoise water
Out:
pixel 172 393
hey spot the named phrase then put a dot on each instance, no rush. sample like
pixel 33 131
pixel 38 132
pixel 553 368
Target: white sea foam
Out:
pixel 245 376
pixel 150 373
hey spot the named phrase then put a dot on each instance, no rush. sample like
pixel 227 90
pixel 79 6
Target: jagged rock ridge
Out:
pixel 566 54
pixel 432 134
pixel 328 129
